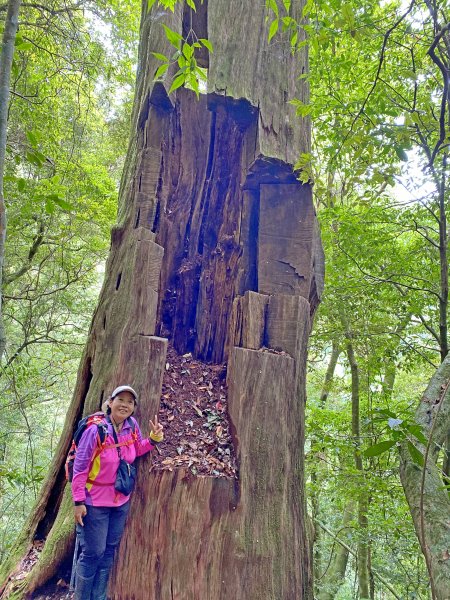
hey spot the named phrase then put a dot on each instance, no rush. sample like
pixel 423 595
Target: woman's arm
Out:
pixel 144 445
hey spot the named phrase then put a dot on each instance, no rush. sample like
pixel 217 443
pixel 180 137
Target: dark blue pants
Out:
pixel 99 538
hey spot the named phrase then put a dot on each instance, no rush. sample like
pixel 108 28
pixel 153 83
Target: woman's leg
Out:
pixel 117 518
pixel 93 543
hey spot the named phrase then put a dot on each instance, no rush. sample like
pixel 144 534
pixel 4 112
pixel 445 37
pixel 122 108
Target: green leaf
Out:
pixel 307 8
pixel 49 206
pixel 160 71
pixel 21 183
pixel 207 44
pixel 201 74
pixel 347 13
pixel 416 431
pixel 160 56
pixel 273 6
pixel 377 449
pixel 294 39
pixel 59 201
pixel 33 158
pixel 188 50
pixel 401 153
pixel 24 46
pixel 177 82
pixel 416 454
pixel 273 29
pixel 150 4
pixel 302 109
pixel 174 38
pixel 191 4
pixel 31 137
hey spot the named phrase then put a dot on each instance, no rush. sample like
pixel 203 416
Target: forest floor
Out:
pixel 197 435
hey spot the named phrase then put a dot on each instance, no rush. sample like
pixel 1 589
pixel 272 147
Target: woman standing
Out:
pixel 100 510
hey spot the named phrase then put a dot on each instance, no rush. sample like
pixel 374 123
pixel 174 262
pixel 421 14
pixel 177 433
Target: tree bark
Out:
pixel 6 61
pixel 428 500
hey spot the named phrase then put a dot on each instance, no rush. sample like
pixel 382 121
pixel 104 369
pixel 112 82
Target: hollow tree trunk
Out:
pixel 217 248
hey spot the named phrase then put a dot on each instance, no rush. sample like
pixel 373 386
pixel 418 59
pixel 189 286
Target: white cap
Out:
pixel 124 388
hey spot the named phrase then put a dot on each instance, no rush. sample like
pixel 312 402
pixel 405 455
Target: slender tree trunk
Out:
pixel 376 575
pixel 443 260
pixel 315 494
pixel 6 59
pixel 330 582
pixel 362 561
pixel 335 352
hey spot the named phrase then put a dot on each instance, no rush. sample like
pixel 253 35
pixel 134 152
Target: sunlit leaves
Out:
pixel 189 73
pixel 378 449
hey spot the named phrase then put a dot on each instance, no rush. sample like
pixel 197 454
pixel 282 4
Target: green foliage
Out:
pixel 188 72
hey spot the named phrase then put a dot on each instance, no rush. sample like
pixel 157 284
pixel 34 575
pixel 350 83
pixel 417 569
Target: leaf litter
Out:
pixel 194 413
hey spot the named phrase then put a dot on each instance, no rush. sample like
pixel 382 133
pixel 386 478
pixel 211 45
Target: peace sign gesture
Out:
pixel 156 432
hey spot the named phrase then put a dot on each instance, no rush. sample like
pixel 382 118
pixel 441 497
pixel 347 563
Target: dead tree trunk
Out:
pixel 217 248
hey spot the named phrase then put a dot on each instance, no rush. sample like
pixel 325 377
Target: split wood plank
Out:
pixel 247 323
pixel 286 225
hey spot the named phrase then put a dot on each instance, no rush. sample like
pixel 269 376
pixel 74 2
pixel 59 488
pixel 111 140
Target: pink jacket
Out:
pixel 94 474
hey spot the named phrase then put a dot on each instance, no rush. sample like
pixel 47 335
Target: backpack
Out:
pixel 100 420
pixel 97 419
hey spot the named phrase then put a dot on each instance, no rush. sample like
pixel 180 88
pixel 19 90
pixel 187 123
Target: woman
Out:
pixel 101 511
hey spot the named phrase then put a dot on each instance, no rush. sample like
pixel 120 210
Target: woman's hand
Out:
pixel 79 511
pixel 156 432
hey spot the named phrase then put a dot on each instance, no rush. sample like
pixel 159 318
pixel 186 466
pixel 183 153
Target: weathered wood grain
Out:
pixel 288 324
pixel 286 224
pixel 246 66
pixel 127 308
pixel 247 325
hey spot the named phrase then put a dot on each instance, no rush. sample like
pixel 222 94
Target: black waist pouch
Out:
pixel 126 473
pixel 125 478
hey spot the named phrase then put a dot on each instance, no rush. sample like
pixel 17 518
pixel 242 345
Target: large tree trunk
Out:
pixel 217 248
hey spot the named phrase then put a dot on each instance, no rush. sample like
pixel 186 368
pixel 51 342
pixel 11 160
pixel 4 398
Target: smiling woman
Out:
pixel 101 505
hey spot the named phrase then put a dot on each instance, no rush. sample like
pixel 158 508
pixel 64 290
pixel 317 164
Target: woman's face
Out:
pixel 122 406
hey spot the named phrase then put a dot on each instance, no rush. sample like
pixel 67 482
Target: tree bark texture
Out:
pixel 217 248
pixel 6 59
pixel 428 500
